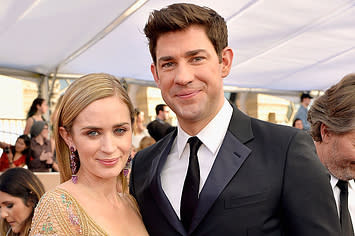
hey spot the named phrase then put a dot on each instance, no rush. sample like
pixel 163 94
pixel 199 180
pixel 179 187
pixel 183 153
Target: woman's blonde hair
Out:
pixel 77 97
pixel 21 183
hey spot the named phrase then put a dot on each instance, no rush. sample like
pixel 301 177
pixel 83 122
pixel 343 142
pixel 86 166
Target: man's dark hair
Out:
pixel 178 17
pixel 159 107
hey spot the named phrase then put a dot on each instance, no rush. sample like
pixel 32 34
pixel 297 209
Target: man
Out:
pixel 158 128
pixel 302 111
pixel 332 118
pixel 242 176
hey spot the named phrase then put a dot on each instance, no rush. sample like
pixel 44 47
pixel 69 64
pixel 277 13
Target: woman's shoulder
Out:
pixel 129 200
pixel 57 212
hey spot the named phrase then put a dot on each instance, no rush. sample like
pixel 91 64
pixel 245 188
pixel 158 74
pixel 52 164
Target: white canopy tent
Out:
pixel 290 45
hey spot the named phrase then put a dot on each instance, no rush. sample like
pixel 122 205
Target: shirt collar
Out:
pixel 334 181
pixel 212 135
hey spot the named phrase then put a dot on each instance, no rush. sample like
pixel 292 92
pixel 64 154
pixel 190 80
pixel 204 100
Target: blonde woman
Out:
pixel 93 134
pixel 20 191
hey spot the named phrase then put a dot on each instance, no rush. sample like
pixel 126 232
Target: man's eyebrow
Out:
pixel 165 58
pixel 187 54
pixel 194 52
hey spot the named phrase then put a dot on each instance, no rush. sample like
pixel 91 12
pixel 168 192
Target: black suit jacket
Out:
pixel 158 129
pixel 266 180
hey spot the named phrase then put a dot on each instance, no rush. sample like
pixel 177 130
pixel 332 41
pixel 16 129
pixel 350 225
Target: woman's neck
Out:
pixel 17 155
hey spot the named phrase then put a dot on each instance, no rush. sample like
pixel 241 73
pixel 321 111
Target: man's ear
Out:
pixel 154 71
pixel 227 60
pixel 324 132
pixel 66 136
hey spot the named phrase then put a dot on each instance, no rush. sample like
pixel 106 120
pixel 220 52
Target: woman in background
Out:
pixel 93 136
pixel 20 191
pixel 139 130
pixel 15 156
pixel 38 108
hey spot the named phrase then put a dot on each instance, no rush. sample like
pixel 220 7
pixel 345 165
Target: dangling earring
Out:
pixel 74 164
pixel 127 167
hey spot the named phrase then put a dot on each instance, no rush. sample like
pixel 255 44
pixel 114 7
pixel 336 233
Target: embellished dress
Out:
pixel 58 213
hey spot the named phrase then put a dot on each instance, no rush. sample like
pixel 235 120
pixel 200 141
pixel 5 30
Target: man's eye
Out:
pixel 167 65
pixel 10 205
pixel 197 59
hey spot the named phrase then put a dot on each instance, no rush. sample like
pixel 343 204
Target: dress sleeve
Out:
pixel 55 214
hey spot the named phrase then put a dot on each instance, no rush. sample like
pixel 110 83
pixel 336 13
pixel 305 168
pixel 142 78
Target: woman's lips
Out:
pixel 108 162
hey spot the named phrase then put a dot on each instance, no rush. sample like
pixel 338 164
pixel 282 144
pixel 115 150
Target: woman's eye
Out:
pixel 92 133
pixel 120 131
pixel 10 205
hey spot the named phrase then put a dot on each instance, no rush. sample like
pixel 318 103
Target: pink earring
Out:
pixel 128 166
pixel 74 165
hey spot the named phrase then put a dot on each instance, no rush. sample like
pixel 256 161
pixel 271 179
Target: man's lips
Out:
pixel 187 94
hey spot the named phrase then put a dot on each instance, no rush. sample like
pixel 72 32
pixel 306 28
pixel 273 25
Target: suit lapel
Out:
pixel 156 189
pixel 231 156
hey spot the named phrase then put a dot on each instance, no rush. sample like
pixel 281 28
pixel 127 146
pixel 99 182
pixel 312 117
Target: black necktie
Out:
pixel 345 218
pixel 189 195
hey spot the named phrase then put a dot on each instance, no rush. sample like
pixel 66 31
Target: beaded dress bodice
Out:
pixel 58 213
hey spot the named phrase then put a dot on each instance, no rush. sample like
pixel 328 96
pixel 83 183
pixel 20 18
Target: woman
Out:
pixel 17 155
pixel 139 130
pixel 20 191
pixel 93 134
pixel 38 108
pixel 42 155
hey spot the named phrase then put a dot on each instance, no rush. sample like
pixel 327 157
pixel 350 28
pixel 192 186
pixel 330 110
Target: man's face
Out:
pixel 338 154
pixel 165 113
pixel 190 75
pixel 306 101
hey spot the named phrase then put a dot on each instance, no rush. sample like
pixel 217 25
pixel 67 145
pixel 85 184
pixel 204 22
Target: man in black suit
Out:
pixel 332 119
pixel 221 172
pixel 158 128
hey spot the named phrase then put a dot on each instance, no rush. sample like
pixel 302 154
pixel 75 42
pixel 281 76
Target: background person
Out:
pixel 158 128
pixel 303 109
pixel 93 135
pixel 139 130
pixel 38 108
pixel 297 123
pixel 20 191
pixel 41 150
pixel 15 156
pixel 219 172
pixel 332 119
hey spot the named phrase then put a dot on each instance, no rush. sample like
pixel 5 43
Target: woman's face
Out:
pixel 20 145
pixel 44 107
pixel 102 135
pixel 140 117
pixel 14 211
pixel 44 132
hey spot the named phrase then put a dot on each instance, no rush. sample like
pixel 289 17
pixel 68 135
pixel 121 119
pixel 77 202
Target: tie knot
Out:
pixel 343 185
pixel 195 144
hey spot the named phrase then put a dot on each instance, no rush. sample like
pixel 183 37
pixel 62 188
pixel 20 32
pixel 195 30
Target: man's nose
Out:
pixel 183 74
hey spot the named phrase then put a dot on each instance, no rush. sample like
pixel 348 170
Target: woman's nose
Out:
pixel 3 214
pixel 107 144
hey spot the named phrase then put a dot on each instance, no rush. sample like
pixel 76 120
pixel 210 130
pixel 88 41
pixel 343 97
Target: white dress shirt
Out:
pixel 351 197
pixel 175 168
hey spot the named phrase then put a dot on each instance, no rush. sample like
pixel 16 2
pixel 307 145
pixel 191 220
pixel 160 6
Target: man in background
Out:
pixel 332 119
pixel 302 111
pixel 158 128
